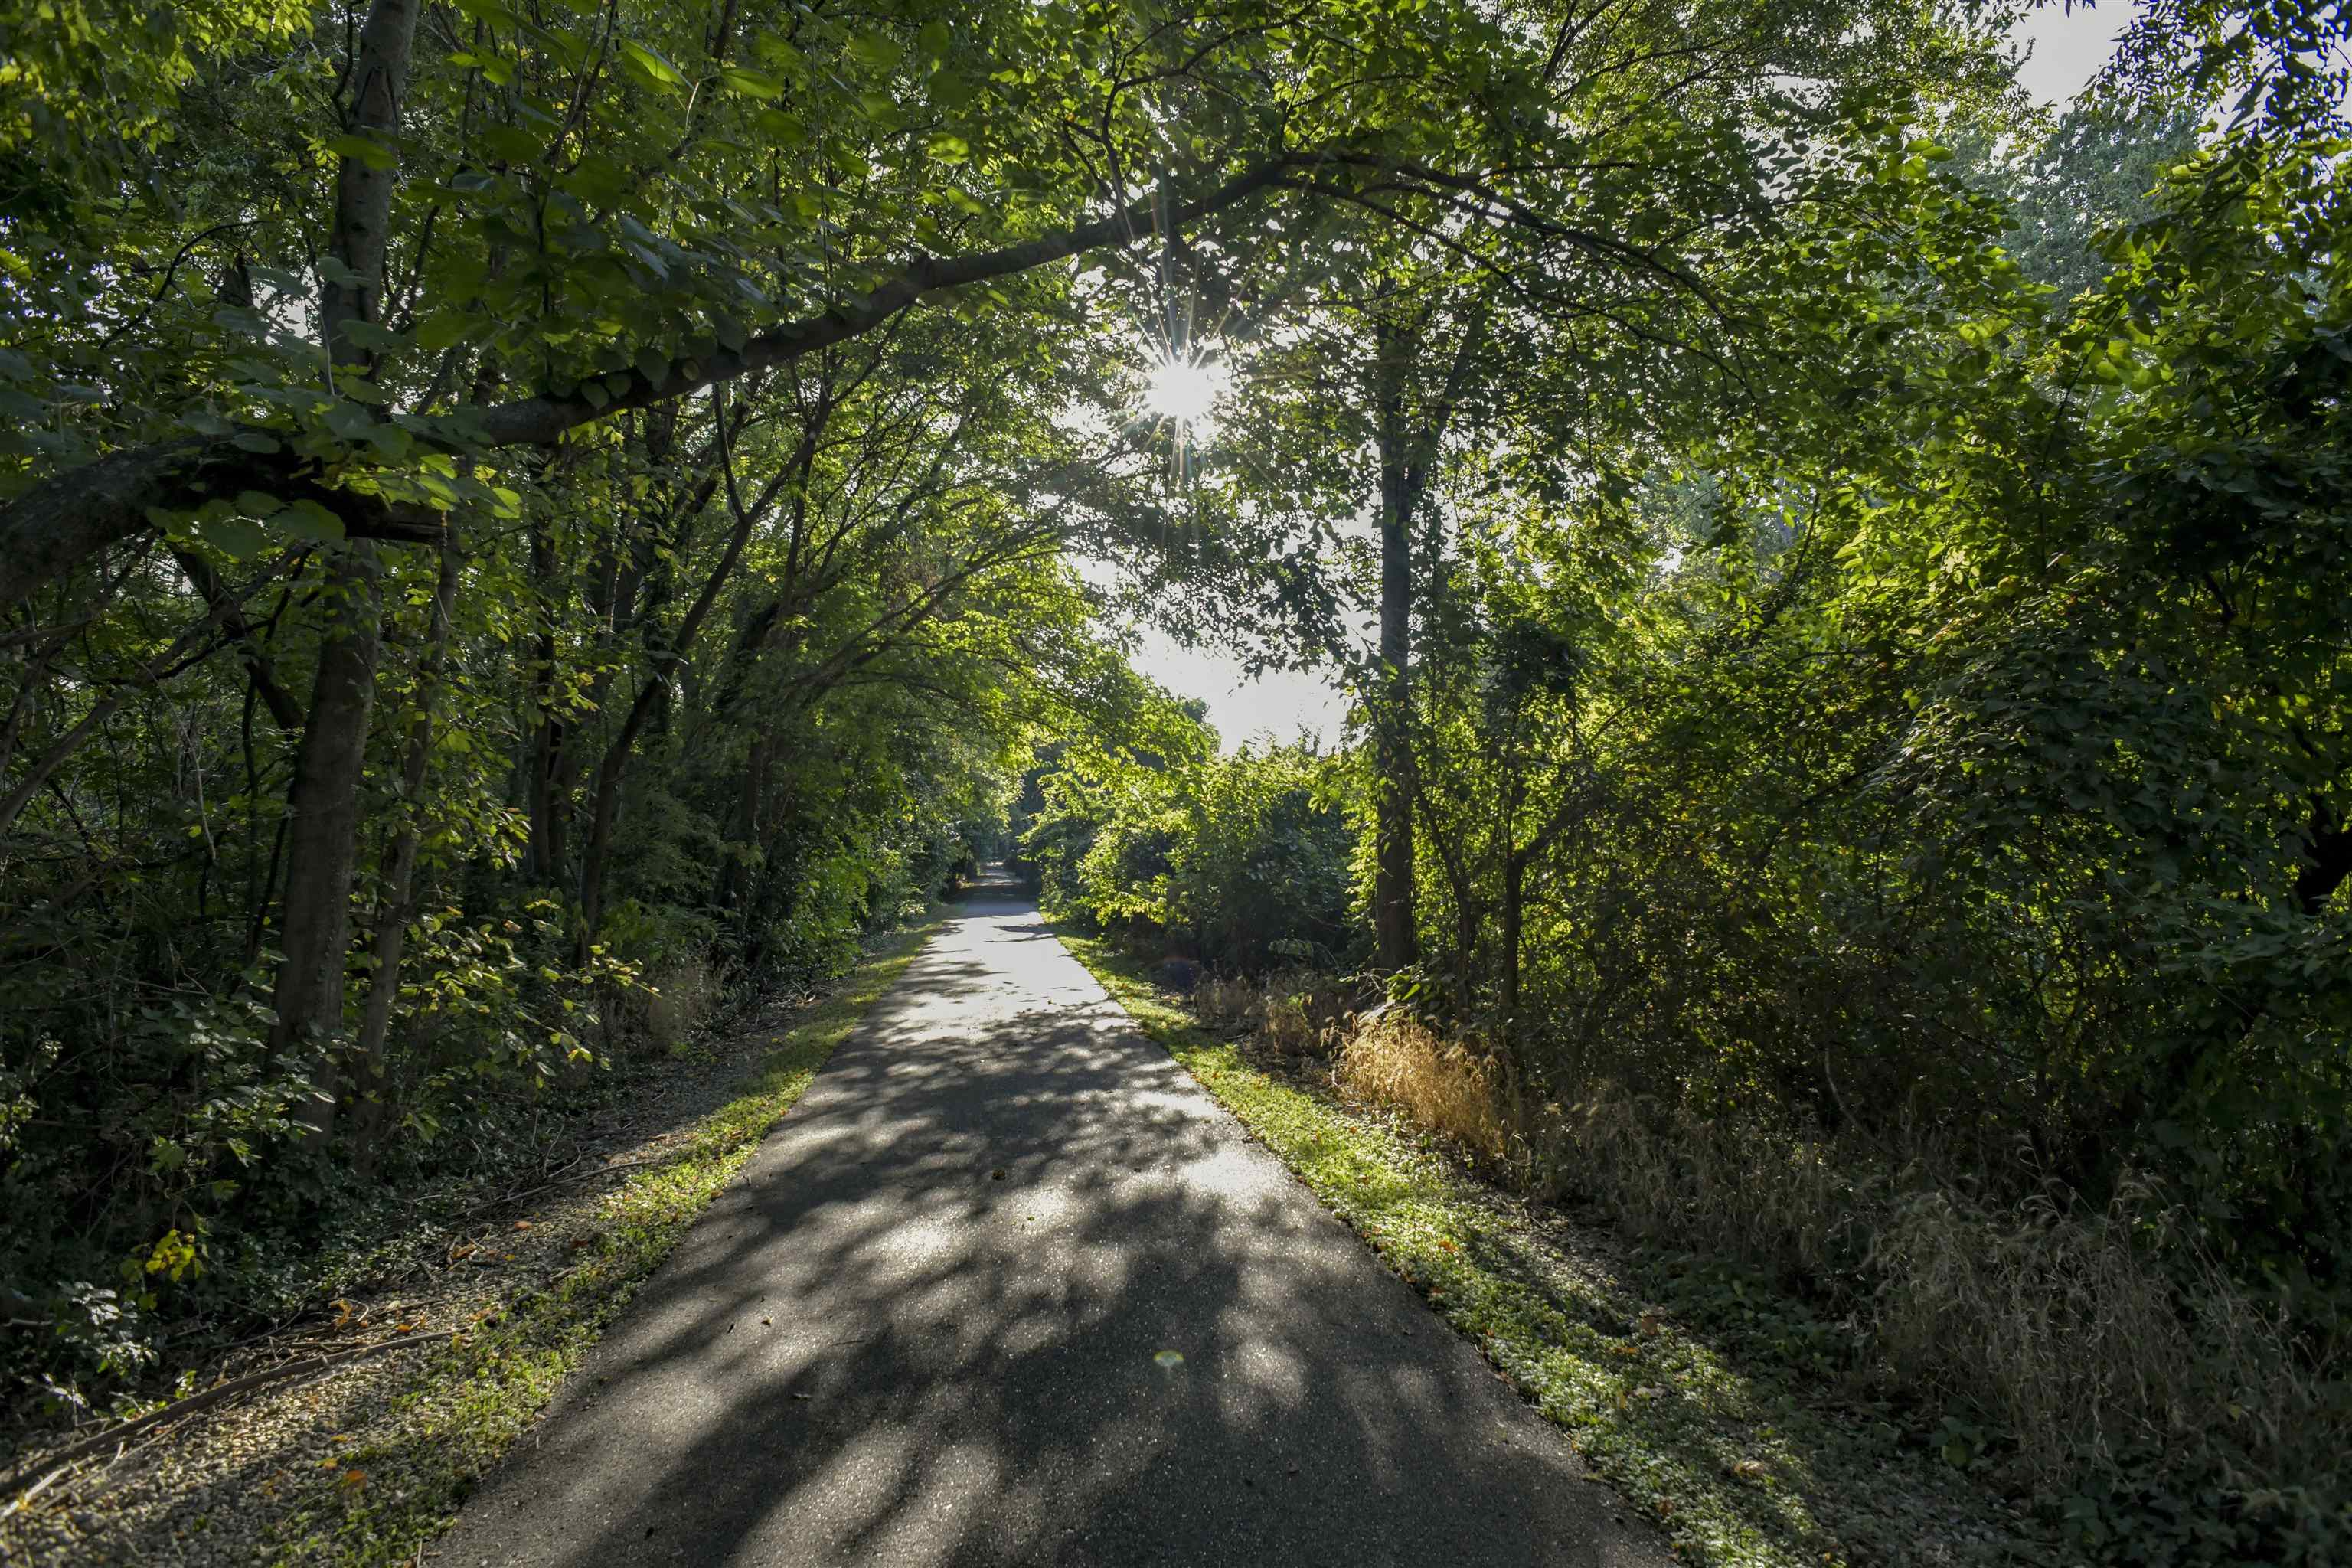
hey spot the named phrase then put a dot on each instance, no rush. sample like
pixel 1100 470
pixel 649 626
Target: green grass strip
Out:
pixel 464 1411
pixel 1736 1468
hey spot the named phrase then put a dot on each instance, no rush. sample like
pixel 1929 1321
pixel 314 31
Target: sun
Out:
pixel 1184 389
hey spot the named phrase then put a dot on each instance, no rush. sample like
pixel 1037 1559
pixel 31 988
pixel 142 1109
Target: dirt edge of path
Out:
pixel 365 1458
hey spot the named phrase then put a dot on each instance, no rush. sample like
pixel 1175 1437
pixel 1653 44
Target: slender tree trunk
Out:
pixel 1408 455
pixel 1393 915
pixel 322 838
pixel 744 830
pixel 322 821
pixel 1514 873
pixel 399 905
pixel 604 814
pixel 597 849
pixel 542 793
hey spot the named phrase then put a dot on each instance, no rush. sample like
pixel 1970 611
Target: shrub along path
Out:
pixel 1009 1287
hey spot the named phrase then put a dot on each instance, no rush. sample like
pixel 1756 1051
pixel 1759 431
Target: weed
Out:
pixel 465 1409
pixel 1740 1466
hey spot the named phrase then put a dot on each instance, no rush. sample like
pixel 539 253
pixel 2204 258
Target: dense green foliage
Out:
pixel 1242 860
pixel 520 514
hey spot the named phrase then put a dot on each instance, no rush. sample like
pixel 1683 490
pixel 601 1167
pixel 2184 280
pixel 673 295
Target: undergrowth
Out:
pixel 465 1407
pixel 1734 1457
pixel 2143 1412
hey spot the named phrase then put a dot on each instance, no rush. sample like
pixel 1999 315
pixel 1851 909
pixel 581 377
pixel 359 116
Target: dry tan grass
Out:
pixel 1299 1012
pixel 2055 1321
pixel 2051 1320
pixel 1442 1084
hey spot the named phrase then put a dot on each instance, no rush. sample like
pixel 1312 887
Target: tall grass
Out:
pixel 2085 1340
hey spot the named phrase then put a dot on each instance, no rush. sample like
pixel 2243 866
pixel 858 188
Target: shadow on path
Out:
pixel 1007 1286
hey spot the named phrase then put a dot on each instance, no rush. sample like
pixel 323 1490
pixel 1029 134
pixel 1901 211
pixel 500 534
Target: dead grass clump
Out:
pixel 2060 1325
pixel 2066 1328
pixel 1773 1197
pixel 1306 1012
pixel 1299 1012
pixel 1396 1058
pixel 679 1001
pixel 1228 1003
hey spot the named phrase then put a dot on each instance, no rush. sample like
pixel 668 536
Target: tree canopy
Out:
pixel 515 510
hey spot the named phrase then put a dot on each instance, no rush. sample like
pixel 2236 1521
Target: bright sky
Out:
pixel 2067 50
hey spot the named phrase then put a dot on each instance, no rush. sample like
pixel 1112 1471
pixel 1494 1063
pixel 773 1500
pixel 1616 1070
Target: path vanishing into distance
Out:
pixel 1008 1287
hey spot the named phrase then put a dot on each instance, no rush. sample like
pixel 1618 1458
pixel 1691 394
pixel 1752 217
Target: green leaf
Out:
pixel 877 50
pixel 444 330
pixel 372 336
pixel 653 65
pixel 348 420
pixel 239 538
pixel 751 83
pixel 374 154
pixel 510 144
pixel 309 520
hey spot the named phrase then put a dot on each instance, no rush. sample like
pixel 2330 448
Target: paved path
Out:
pixel 931 1322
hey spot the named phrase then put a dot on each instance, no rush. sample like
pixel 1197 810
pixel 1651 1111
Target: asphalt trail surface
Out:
pixel 1008 1287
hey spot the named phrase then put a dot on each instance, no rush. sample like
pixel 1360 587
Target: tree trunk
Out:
pixel 543 796
pixel 663 666
pixel 324 802
pixel 399 905
pixel 1393 918
pixel 744 830
pixel 322 821
pixel 1514 873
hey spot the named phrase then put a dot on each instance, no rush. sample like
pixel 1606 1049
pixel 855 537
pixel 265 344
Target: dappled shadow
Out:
pixel 1008 1288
